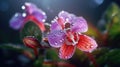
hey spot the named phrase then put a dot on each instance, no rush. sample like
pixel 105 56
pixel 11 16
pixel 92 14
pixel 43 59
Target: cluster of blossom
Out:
pixel 65 31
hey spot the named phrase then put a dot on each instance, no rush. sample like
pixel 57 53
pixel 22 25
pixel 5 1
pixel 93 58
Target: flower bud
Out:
pixel 31 42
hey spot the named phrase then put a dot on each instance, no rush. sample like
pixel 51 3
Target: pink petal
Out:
pixel 55 26
pixel 16 21
pixel 56 38
pixel 79 25
pixel 86 43
pixel 66 51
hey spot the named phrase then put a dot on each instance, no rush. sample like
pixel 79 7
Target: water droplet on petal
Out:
pixel 43 20
pixel 60 40
pixel 72 24
pixel 24 14
pixel 43 13
pixel 66 57
pixel 23 7
pixel 67 20
pixel 91 46
pixel 55 43
pixel 87 46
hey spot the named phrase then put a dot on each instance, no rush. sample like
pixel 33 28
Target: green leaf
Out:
pixel 100 51
pixel 114 28
pixel 112 16
pixel 39 62
pixel 51 54
pixel 111 58
pixel 31 29
pixel 18 48
pixel 112 10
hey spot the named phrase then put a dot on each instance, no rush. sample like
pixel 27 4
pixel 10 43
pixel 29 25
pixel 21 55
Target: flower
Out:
pixel 32 12
pixel 66 34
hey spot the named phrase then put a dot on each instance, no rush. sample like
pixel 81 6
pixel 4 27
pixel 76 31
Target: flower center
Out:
pixel 67 27
pixel 71 38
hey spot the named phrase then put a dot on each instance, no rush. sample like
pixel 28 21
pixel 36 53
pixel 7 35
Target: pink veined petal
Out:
pixel 79 24
pixel 86 43
pixel 66 51
pixel 17 21
pixel 56 38
pixel 55 26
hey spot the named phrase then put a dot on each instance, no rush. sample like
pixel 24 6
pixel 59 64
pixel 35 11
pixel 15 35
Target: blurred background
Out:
pixel 91 10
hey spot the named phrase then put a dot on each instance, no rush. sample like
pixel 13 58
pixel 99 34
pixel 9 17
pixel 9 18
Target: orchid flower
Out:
pixel 66 34
pixel 32 12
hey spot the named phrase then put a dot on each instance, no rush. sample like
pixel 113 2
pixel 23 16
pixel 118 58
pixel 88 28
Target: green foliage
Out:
pixel 111 58
pixel 31 29
pixel 100 51
pixel 112 16
pixel 39 62
pixel 14 47
pixel 114 29
pixel 51 54
pixel 112 10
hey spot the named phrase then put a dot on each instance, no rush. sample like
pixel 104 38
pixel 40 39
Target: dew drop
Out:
pixel 66 57
pixel 24 14
pixel 23 7
pixel 61 41
pixel 91 46
pixel 55 43
pixel 87 46
pixel 72 24
pixel 43 20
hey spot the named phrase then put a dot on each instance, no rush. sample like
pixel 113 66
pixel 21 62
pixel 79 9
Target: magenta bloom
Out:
pixel 66 34
pixel 32 12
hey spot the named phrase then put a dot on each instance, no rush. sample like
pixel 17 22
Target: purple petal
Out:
pixel 56 38
pixel 29 7
pixel 32 9
pixel 16 21
pixel 39 15
pixel 55 26
pixel 63 14
pixel 67 17
pixel 79 25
